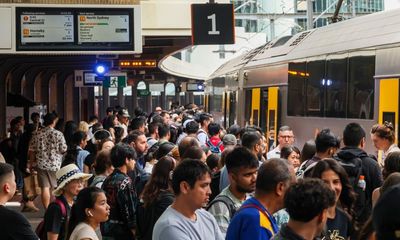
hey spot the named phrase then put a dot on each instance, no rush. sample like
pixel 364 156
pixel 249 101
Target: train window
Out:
pixel 315 93
pixel 335 86
pixel 361 87
pixel 296 82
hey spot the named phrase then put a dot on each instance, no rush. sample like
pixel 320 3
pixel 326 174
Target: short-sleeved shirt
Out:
pixel 274 153
pixel 251 223
pixel 286 233
pixel 49 146
pixel 54 221
pixel 339 227
pixel 13 225
pixel 121 197
pixel 80 159
pixel 202 136
pixel 220 210
pixel 174 225
pixel 84 231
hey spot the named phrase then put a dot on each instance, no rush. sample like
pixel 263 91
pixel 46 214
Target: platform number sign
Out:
pixel 213 24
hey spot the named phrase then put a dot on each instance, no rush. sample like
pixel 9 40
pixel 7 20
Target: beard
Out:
pixel 244 189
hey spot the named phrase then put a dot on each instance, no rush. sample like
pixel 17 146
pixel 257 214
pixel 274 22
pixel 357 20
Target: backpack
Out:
pixel 214 148
pixel 40 229
pixel 227 201
pixel 353 169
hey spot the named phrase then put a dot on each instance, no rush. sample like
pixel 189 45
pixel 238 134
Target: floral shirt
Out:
pixel 49 146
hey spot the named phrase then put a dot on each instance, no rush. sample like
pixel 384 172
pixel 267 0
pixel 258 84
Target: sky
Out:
pixel 392 4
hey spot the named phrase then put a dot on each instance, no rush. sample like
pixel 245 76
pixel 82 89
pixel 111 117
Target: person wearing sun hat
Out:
pixel 70 180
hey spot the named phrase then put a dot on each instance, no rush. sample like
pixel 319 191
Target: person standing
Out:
pixel 242 168
pixel 307 203
pixel 185 218
pixel 285 137
pixel 89 210
pixel 47 147
pixel 70 180
pixel 13 225
pixel 254 219
pixel 121 195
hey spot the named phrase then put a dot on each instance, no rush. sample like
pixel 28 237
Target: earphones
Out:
pixel 90 214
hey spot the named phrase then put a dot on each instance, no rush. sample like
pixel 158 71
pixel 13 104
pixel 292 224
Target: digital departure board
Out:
pixel 103 28
pixel 36 28
pixel 74 29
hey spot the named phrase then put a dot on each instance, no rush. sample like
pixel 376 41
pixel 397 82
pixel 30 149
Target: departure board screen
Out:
pixel 74 29
pixel 37 27
pixel 103 28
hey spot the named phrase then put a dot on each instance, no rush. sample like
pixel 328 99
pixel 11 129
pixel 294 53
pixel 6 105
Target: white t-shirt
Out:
pixel 84 231
pixel 173 225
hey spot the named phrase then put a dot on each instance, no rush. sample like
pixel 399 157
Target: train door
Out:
pixel 272 113
pixel 389 104
pixel 255 106
pixel 232 108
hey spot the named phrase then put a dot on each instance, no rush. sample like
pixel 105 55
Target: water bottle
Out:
pixel 361 182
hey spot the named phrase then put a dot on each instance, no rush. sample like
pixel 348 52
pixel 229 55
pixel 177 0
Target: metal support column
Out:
pixel 120 94
pixel 310 12
pixel 134 97
pixel 106 100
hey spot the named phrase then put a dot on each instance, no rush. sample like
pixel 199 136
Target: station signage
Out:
pixel 77 29
pixel 213 24
pixel 139 63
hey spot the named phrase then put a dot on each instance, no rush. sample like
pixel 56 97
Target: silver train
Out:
pixel 326 77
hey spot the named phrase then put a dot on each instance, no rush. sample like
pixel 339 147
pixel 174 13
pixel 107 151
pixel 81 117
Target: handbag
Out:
pixel 31 187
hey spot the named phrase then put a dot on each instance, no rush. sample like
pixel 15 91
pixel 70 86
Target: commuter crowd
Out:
pixel 177 174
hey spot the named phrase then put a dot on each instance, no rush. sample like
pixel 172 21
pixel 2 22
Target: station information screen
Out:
pixel 74 29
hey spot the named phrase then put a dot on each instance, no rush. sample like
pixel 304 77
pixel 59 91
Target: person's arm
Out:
pixel 126 198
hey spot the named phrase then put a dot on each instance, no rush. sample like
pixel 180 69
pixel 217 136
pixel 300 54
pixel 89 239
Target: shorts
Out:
pixel 47 178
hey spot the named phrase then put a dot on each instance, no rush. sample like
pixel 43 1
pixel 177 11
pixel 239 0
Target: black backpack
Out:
pixel 227 201
pixel 353 169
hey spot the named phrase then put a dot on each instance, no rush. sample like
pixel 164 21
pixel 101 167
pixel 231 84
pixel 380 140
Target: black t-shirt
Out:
pixel 14 226
pixel 147 217
pixel 54 221
pixel 340 227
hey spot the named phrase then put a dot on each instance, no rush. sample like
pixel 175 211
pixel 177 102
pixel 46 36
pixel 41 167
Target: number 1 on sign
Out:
pixel 213 25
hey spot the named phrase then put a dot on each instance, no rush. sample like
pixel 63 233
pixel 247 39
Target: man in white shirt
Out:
pixel 285 137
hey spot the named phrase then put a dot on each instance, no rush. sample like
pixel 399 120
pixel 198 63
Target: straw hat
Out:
pixel 66 174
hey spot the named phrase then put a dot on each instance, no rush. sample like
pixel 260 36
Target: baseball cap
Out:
pixel 229 139
pixel 124 113
pixel 386 213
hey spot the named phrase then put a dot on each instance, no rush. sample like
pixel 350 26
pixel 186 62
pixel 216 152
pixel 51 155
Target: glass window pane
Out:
pixel 315 94
pixel 361 87
pixel 296 81
pixel 335 85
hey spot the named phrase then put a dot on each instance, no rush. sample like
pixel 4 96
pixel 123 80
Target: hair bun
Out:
pixel 388 125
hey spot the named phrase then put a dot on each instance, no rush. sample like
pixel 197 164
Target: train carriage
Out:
pixel 326 77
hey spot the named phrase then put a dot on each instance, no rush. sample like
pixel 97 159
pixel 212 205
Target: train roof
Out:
pixel 365 32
